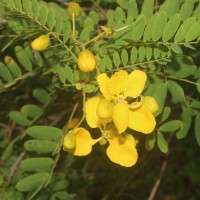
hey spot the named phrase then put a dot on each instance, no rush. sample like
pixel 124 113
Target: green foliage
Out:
pixel 41 92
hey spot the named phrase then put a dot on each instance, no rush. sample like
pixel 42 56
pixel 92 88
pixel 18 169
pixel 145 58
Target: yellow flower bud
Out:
pixel 73 122
pixel 103 141
pixel 150 103
pixel 104 109
pixel 108 31
pixel 86 61
pixel 41 43
pixel 74 9
pixel 69 141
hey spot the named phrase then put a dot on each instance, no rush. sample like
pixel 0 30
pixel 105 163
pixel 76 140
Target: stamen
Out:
pixel 137 104
pixel 120 98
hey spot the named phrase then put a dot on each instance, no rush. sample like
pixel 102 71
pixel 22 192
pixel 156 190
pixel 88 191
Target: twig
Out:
pixel 15 165
pixel 158 181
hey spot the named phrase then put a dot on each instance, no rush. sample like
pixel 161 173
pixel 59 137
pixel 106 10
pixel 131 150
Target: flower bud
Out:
pixel 73 122
pixel 74 9
pixel 41 43
pixel 69 141
pixel 104 109
pixel 86 61
pixel 103 141
pixel 150 103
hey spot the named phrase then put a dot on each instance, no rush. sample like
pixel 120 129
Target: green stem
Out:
pixel 84 100
pixel 70 118
pixel 94 39
pixel 73 26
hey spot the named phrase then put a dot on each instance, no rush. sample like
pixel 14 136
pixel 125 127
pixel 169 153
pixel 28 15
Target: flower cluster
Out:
pixel 120 107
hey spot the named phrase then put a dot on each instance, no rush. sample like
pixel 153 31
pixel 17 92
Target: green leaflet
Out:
pixel 27 6
pixel 32 182
pixel 195 104
pixel 196 13
pixel 176 48
pixel 182 67
pixel 41 95
pixel 162 143
pixel 149 28
pixel 20 118
pixel 194 32
pixel 116 59
pixel 124 56
pixel 156 52
pixel 61 73
pixel 51 20
pixel 159 26
pixel 59 24
pixel 123 3
pixel 149 53
pixel 60 185
pixel 197 128
pixel 141 53
pixel 138 28
pixel 148 8
pixel 186 117
pixel 171 27
pixel 171 126
pixel 7 152
pixel 63 195
pixel 35 8
pixel 18 4
pixel 187 9
pixel 85 34
pixel 184 28
pixel 119 14
pixel 160 95
pixel 31 110
pixel 150 141
pixel 170 7
pixel 165 114
pixel 40 146
pixel 69 74
pixel 39 164
pixel 4 73
pixel 45 133
pixel 66 31
pixel 132 9
pixel 23 58
pixel 107 62
pixel 134 53
pixel 9 2
pixel 43 14
pixel 176 92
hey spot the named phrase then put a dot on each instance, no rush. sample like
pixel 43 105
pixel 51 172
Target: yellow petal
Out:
pixel 105 109
pixel 137 81
pixel 91 115
pixel 121 116
pixel 119 83
pixel 141 120
pixel 84 143
pixel 122 151
pixel 104 81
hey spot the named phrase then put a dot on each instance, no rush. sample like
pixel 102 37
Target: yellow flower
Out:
pixel 117 89
pixel 121 149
